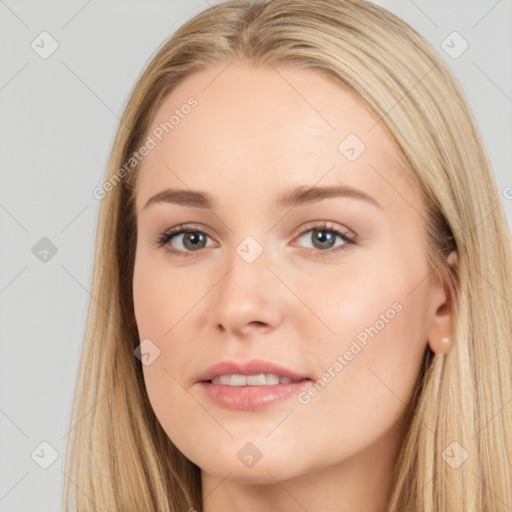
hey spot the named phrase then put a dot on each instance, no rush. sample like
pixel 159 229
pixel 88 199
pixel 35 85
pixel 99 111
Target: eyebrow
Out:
pixel 294 197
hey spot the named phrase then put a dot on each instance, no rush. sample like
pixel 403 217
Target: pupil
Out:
pixel 324 236
pixel 194 238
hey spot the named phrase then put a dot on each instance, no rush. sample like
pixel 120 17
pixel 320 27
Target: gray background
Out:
pixel 58 120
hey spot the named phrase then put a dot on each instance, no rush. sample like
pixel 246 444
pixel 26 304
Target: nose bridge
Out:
pixel 246 294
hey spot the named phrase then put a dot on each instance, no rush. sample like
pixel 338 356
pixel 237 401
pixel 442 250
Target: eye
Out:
pixel 189 239
pixel 323 238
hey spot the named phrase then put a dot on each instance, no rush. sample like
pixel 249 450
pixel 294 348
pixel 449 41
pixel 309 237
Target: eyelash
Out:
pixel 165 237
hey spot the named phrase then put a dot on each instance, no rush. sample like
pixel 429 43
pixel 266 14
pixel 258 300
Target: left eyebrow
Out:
pixel 303 194
pixel 294 197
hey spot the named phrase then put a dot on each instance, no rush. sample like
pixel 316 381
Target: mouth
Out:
pixel 256 372
pixel 259 379
pixel 250 385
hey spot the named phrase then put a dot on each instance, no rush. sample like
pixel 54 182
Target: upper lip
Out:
pixel 253 367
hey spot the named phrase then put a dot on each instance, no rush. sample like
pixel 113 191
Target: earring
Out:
pixel 441 345
pixel 445 346
pixel 452 258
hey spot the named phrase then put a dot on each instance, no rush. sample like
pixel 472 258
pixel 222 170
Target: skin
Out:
pixel 252 136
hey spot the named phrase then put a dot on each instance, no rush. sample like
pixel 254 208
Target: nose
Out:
pixel 248 299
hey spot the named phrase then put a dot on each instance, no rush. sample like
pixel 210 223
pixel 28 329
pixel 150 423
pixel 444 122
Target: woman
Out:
pixel 228 366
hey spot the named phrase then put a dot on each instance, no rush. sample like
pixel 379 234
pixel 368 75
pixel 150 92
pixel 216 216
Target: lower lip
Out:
pixel 251 398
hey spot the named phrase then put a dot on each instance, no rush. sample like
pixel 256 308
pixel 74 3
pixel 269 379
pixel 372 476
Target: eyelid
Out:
pixel 327 225
pixel 187 227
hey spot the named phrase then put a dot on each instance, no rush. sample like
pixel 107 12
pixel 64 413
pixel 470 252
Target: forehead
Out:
pixel 243 126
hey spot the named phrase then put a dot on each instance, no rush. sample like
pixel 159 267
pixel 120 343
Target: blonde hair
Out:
pixel 118 456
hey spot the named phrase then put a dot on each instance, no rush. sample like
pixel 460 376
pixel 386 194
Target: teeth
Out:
pixel 258 380
pixel 261 379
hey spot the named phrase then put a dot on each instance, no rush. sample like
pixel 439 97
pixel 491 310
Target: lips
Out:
pixel 253 367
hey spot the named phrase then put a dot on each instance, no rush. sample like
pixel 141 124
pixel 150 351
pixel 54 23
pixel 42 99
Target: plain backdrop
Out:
pixel 59 114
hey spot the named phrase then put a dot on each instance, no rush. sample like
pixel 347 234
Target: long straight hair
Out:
pixel 119 458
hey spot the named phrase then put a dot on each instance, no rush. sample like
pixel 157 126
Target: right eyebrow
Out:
pixel 182 197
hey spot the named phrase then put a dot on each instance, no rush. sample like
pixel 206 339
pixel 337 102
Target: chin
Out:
pixel 258 475
pixel 264 471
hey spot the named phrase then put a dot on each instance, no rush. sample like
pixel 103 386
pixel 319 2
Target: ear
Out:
pixel 440 322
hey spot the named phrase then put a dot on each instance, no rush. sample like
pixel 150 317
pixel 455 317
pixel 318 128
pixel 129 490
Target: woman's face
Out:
pixel 266 271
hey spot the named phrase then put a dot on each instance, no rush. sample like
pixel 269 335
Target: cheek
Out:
pixel 161 298
pixel 163 305
pixel 370 368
